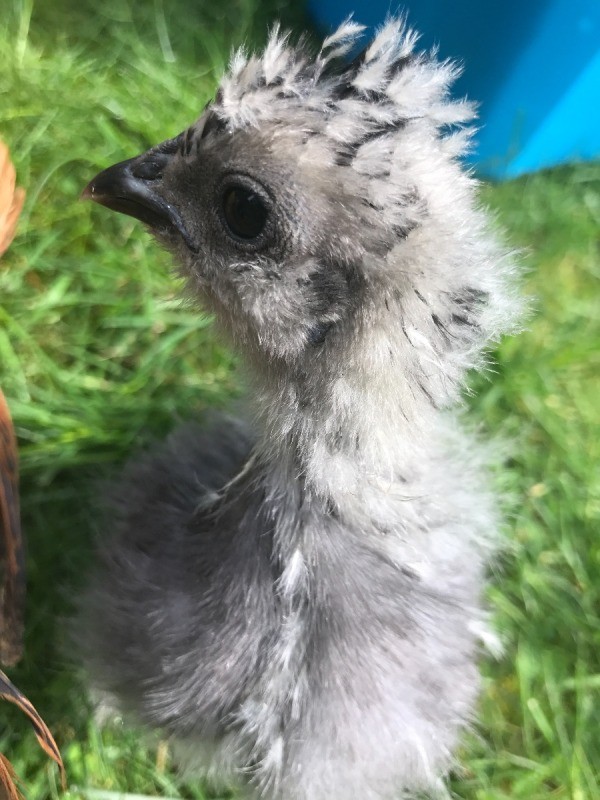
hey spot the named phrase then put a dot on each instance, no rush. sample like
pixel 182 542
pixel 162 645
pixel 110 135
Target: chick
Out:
pixel 296 599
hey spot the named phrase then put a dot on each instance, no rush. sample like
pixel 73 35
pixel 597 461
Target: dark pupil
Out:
pixel 244 212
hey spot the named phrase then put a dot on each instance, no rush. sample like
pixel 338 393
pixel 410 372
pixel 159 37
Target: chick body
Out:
pixel 297 600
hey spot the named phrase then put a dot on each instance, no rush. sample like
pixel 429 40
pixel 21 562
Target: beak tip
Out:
pixel 88 192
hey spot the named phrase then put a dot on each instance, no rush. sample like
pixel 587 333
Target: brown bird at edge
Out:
pixel 12 574
pixel 12 551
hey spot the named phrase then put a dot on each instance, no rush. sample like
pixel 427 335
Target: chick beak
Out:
pixel 132 187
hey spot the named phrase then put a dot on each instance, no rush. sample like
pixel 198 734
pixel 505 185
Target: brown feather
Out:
pixel 8 788
pixel 11 199
pixel 8 691
pixel 12 588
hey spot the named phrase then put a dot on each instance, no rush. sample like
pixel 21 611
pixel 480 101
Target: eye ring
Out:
pixel 245 211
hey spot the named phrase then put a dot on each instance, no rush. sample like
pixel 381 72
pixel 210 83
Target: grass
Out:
pixel 98 356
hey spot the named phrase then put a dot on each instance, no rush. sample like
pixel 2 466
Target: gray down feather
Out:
pixel 296 599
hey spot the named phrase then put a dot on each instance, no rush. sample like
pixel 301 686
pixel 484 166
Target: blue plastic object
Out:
pixel 532 65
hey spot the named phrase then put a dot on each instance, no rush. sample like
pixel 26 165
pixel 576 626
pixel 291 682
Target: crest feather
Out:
pixel 388 83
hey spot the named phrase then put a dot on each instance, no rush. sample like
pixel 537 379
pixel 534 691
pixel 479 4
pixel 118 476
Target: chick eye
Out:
pixel 244 212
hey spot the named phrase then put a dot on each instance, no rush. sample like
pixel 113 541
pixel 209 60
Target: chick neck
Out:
pixel 345 420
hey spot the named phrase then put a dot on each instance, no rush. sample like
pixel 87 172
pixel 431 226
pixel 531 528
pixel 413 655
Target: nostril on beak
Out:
pixel 150 168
